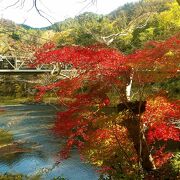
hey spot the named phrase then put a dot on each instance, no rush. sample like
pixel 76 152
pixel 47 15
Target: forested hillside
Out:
pixel 127 28
pixel 20 40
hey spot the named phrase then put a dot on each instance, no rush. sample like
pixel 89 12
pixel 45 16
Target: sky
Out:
pixel 54 10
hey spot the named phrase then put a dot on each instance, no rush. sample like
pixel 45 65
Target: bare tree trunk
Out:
pixel 133 124
pixel 134 129
pixel 129 86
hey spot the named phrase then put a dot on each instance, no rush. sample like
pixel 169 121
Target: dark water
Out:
pixel 30 126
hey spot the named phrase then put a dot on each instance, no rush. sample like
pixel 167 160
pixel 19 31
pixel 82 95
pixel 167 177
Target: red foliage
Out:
pixel 160 157
pixel 104 169
pixel 159 117
pixel 89 58
pixel 163 131
pixel 101 70
pixel 156 62
pixel 102 134
pixel 157 55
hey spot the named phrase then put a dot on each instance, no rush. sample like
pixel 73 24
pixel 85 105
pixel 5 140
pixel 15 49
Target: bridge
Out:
pixel 19 65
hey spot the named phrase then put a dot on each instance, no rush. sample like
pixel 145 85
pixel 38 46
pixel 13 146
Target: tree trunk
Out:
pixel 129 86
pixel 134 128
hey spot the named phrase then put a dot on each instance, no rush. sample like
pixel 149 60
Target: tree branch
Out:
pixel 18 1
pixel 21 3
pixel 131 26
pixel 40 12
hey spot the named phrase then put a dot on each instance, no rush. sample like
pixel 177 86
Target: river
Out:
pixel 30 126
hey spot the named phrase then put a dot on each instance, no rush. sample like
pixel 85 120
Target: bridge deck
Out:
pixel 21 65
pixel 2 71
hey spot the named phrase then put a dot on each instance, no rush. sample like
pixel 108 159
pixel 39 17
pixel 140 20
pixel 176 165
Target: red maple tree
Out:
pixel 118 141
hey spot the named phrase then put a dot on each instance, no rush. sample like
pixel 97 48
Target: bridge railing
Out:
pixel 20 63
pixel 11 64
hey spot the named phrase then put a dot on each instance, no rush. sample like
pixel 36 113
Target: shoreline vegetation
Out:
pixel 25 100
pixel 8 146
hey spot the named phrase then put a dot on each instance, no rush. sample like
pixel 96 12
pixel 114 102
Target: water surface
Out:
pixel 31 128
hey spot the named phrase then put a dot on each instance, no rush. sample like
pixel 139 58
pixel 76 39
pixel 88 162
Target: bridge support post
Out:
pixel 15 63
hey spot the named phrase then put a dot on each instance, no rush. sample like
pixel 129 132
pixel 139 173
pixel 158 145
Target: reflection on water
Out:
pixel 38 147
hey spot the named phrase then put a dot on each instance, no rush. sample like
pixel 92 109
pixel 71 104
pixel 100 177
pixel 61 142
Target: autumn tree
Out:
pixel 121 141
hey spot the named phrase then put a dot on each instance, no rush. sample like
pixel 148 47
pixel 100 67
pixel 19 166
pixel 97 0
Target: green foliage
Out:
pixel 161 25
pixel 121 177
pixel 59 178
pixel 15 36
pixel 85 29
pixel 15 86
pixel 175 163
pixel 5 137
pixel 8 176
pixel 169 21
pixel 172 87
pixel 159 19
pixel 85 39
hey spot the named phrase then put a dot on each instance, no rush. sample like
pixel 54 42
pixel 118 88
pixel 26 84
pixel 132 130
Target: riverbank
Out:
pixel 25 100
